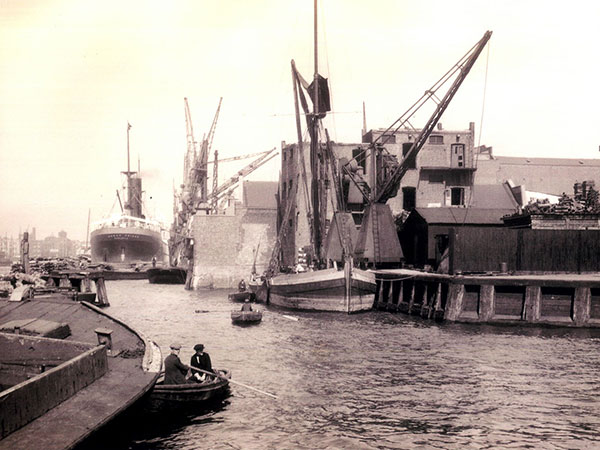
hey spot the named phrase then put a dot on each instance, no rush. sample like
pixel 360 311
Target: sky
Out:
pixel 73 73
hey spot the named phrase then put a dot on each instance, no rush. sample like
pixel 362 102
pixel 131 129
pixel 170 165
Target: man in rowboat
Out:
pixel 175 370
pixel 200 360
pixel 247 306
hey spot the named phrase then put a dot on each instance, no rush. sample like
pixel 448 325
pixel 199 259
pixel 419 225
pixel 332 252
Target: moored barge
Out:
pixel 66 369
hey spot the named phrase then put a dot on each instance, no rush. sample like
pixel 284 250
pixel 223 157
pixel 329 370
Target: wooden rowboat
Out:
pixel 191 394
pixel 241 296
pixel 246 316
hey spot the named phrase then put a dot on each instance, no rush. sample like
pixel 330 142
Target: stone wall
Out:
pixel 225 246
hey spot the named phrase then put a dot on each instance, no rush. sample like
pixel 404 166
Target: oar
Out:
pixel 234 382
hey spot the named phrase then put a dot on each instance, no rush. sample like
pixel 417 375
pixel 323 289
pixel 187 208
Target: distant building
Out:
pixel 9 249
pixel 57 247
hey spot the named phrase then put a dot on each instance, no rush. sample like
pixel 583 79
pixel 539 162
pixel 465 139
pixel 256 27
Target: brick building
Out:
pixel 440 175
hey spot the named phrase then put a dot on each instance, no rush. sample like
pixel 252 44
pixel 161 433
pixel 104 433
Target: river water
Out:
pixel 369 380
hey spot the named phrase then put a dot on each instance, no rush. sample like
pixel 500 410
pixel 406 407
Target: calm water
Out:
pixel 372 380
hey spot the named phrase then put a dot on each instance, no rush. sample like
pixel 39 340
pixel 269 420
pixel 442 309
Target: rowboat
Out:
pixel 191 394
pixel 241 296
pixel 246 316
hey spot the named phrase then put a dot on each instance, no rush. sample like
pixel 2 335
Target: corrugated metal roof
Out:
pixel 260 194
pixel 514 160
pixel 458 216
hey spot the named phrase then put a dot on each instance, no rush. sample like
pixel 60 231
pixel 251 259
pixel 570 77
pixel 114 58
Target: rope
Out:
pixel 399 279
pixel 472 193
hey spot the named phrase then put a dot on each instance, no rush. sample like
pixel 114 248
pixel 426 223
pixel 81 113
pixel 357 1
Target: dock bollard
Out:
pixel 503 268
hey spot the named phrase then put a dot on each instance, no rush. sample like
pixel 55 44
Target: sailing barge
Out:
pixel 374 176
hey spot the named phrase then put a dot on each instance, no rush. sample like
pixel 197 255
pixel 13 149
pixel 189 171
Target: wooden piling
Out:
pixel 582 303
pixel 486 302
pixel 101 295
pixel 454 304
pixel 531 309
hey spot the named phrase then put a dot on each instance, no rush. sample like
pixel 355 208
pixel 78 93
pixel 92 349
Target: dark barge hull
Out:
pixel 171 275
pixel 323 290
pixel 61 406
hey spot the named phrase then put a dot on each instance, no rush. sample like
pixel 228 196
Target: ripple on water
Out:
pixel 372 380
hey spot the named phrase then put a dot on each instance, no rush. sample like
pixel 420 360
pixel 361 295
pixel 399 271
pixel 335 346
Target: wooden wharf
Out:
pixel 571 300
pixel 62 390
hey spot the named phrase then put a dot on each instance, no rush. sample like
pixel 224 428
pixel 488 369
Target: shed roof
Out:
pixel 493 196
pixel 260 194
pixel 467 216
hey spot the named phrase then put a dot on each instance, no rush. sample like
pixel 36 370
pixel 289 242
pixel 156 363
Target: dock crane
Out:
pixel 226 189
pixel 377 239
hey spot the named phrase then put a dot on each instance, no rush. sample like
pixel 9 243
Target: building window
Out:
pixel 458 155
pixel 283 152
pixel 283 190
pixel 457 196
pixel 292 153
pixel 436 139
pixel 411 163
pixel 409 198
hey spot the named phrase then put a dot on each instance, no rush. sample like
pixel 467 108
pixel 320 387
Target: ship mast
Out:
pixel 133 205
pixel 314 149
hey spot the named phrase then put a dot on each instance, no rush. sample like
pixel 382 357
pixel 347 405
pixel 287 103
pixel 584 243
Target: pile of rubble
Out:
pixel 585 200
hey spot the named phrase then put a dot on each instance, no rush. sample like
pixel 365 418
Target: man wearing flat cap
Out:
pixel 175 370
pixel 201 360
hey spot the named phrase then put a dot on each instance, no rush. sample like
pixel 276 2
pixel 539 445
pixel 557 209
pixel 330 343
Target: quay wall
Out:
pixel 524 250
pixel 545 300
pixel 30 399
pixel 225 246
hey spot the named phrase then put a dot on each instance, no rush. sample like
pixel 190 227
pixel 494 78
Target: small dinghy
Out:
pixel 246 316
pixel 242 296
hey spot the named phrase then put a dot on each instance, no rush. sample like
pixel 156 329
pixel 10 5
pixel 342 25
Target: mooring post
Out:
pixel 101 295
pixel 454 305
pixel 486 302
pixel 411 301
pixel 531 308
pixel 582 302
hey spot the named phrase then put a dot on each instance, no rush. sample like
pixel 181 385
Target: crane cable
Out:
pixel 487 61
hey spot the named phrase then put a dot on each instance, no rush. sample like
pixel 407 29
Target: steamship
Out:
pixel 128 238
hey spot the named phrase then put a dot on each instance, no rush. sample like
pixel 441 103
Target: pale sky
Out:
pixel 74 72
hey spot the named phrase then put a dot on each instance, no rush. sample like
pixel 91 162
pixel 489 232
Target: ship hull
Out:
pixel 125 245
pixel 323 290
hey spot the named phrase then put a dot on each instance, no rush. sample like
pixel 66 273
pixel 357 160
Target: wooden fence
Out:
pixel 524 250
